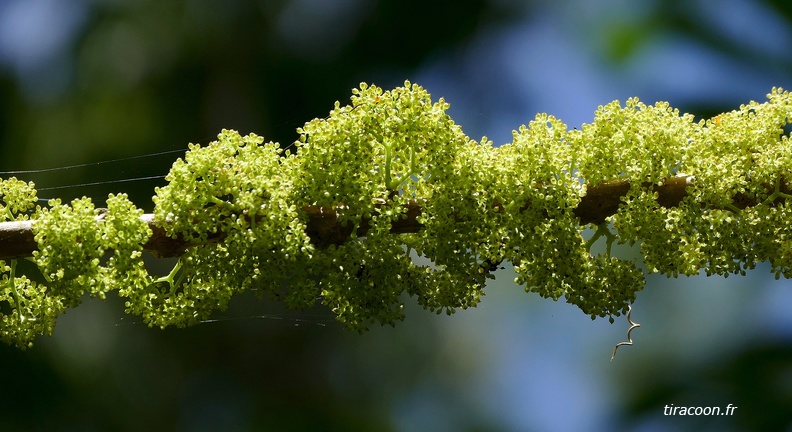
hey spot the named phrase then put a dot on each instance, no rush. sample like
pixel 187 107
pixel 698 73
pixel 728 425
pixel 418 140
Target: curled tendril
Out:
pixel 633 326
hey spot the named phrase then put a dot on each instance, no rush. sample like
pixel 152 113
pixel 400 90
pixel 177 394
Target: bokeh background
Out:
pixel 84 81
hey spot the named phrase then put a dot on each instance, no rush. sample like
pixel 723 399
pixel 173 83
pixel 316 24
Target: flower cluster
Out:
pixel 371 159
pixel 26 310
pixel 82 251
pixel 736 213
pixel 234 200
pixel 321 223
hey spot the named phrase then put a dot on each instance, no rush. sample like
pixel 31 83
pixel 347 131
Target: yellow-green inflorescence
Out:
pixel 245 207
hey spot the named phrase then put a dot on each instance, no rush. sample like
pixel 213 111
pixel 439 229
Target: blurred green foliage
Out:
pixel 145 76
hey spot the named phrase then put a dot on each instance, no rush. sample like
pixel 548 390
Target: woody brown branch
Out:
pixel 324 229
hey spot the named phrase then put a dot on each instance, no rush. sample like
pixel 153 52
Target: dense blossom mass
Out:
pixel 243 206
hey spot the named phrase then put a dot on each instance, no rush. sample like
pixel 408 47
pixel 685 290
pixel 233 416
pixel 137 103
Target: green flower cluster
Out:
pixel 18 198
pixel 26 310
pixel 82 251
pixel 736 213
pixel 370 160
pixel 321 223
pixel 542 176
pixel 234 200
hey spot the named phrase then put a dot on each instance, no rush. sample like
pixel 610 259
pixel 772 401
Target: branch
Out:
pixel 376 141
pixel 600 201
